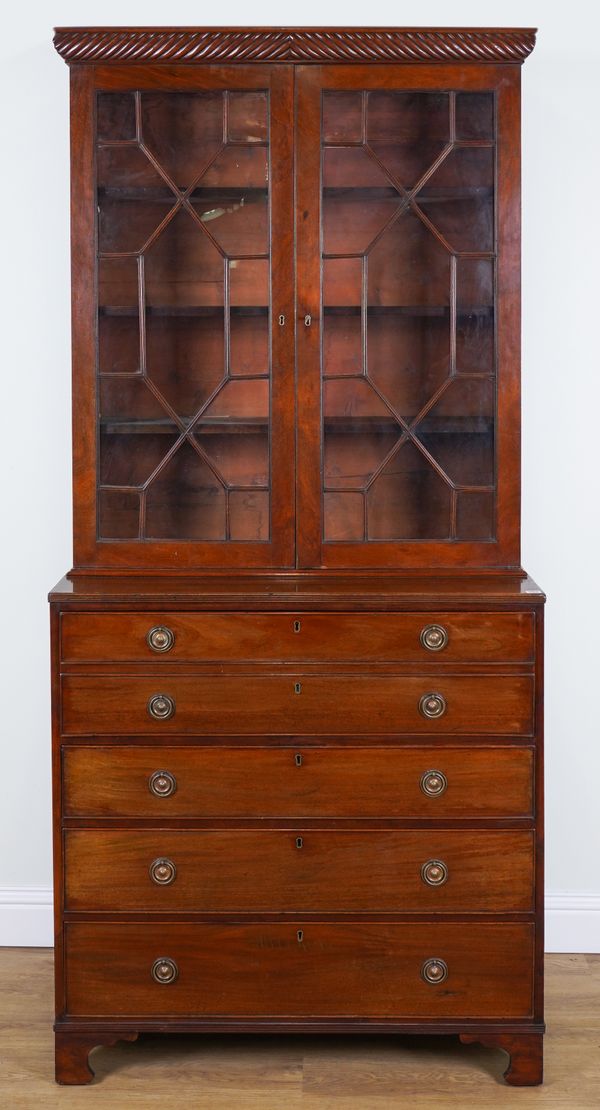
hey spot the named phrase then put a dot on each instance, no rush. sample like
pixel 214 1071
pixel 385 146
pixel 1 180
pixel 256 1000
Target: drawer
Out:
pixel 297 782
pixel 301 637
pixel 302 703
pixel 299 969
pixel 300 871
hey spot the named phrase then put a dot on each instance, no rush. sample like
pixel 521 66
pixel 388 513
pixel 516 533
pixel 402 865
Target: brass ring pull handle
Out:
pixel 163 871
pixel 160 638
pixel 434 637
pixel 434 971
pixel 434 872
pixel 161 707
pixel 162 784
pixel 434 783
pixel 432 705
pixel 164 970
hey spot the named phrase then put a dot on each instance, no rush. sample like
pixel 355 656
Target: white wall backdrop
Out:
pixel 561 399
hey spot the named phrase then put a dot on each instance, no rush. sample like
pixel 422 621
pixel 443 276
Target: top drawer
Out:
pixel 297 637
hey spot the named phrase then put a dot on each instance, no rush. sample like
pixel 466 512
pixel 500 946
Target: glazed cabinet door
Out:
pixel 183 316
pixel 408 329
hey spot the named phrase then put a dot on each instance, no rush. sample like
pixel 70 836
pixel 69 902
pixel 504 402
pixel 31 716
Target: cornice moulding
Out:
pixel 123 45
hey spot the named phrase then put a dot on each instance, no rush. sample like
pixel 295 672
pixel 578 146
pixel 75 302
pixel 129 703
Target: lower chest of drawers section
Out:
pixel 381 865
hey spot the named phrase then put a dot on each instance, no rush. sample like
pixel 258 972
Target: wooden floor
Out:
pixel 289 1073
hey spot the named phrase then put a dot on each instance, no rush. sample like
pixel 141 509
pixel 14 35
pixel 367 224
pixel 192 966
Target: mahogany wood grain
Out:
pixel 539 884
pixel 298 902
pixel 299 703
pixel 525 1051
pixel 254 782
pixel 220 45
pixel 72 1066
pixel 304 637
pixel 325 590
pixel 311 970
pixel 299 871
pixel 83 309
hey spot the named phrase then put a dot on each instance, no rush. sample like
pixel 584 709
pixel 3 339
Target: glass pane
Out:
pixel 474 116
pixel 408 336
pixel 186 500
pixel 408 131
pixel 458 199
pixel 116 116
pixel 183 132
pixel 408 499
pixel 183 316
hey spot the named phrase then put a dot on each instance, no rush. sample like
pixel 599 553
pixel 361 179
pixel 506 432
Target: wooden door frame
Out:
pixel 503 553
pixel 92 555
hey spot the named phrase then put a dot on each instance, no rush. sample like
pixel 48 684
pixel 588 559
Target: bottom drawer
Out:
pixel 297 969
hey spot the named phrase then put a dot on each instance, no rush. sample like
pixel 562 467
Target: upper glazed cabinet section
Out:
pixel 396 377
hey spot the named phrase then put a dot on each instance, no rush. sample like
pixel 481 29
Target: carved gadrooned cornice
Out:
pixel 187 44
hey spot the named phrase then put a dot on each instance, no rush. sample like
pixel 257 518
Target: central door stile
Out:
pixel 283 446
pixel 308 288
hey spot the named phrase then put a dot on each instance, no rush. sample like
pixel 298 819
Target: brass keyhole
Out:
pixel 300 936
pixel 299 842
pixel 297 687
pixel 298 760
pixel 297 626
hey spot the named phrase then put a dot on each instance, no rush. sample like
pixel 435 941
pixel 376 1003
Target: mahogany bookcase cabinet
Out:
pixel 297 668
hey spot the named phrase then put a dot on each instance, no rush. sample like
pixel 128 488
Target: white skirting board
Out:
pixel 26 917
pixel 572 920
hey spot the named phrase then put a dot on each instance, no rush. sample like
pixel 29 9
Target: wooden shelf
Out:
pixel 183 310
pixel 161 193
pixel 329 310
pixel 342 425
pixel 216 425
pixel 440 425
pixel 409 310
pixel 428 194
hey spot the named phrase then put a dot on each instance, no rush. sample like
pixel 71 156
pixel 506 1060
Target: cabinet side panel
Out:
pixel 508 448
pixel 83 316
pixel 539 818
pixel 57 842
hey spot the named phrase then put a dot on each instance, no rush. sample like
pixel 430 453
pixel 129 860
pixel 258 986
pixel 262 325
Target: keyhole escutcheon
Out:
pixel 298 759
pixel 297 626
pixel 297 687
pixel 299 842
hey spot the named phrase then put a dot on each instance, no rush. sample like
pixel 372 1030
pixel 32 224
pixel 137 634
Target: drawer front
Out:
pixel 297 782
pixel 301 703
pixel 301 637
pixel 300 871
pixel 299 969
